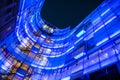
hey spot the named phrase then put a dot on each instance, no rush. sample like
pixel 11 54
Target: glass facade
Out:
pixel 37 50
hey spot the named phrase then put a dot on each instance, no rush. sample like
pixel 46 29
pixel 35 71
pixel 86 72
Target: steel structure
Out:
pixel 38 50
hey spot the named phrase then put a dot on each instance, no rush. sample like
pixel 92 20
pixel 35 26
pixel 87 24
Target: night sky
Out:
pixel 64 13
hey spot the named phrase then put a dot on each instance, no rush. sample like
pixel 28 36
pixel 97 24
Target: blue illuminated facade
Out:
pixel 37 50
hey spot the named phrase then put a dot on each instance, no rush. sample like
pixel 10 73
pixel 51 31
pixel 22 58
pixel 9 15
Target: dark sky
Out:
pixel 64 13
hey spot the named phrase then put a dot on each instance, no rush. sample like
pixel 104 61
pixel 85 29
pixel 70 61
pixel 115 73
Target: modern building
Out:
pixel 34 49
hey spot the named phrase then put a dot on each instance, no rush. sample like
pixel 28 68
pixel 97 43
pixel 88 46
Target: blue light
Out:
pixel 99 28
pixel 17 33
pixel 47 68
pixel 66 78
pixel 119 56
pixel 96 21
pixel 27 31
pixel 105 23
pixel 105 12
pixel 108 61
pixel 102 41
pixel 43 36
pixel 22 4
pixel 78 40
pixel 89 36
pixel 110 20
pixel 79 55
pixel 80 33
pixel 114 34
pixel 77 68
pixel 92 68
pixel 20 74
pixel 34 28
pixel 70 49
pixel 4 67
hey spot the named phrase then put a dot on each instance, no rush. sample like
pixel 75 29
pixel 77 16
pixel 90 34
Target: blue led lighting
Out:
pixel 27 31
pixel 89 36
pixel 4 67
pixel 58 55
pixel 47 68
pixel 66 78
pixel 119 56
pixel 23 4
pixel 92 68
pixel 105 12
pixel 99 28
pixel 105 23
pixel 110 20
pixel 70 49
pixel 102 41
pixel 79 55
pixel 17 33
pixel 34 28
pixel 96 21
pixel 77 68
pixel 108 61
pixel 114 34
pixel 80 33
pixel 43 36
pixel 20 74
pixel 78 40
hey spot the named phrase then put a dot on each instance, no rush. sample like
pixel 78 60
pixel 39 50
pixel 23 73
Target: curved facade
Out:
pixel 38 50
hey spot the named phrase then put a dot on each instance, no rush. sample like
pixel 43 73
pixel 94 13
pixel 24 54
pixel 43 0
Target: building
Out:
pixel 38 50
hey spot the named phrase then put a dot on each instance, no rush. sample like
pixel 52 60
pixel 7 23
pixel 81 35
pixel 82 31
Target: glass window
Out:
pixel 90 44
pixel 24 66
pixel 103 55
pixel 32 55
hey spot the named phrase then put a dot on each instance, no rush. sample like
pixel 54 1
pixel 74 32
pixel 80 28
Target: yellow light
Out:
pixel 51 30
pixel 45 26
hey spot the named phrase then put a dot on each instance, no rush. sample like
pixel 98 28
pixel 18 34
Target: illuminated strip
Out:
pixel 66 78
pixel 56 45
pixel 43 36
pixel 105 12
pixel 32 23
pixel 65 37
pixel 105 23
pixel 78 40
pixel 20 21
pixel 70 49
pixel 96 21
pixel 79 55
pixel 19 37
pixel 47 68
pixel 80 33
pixel 26 30
pixel 20 74
pixel 4 67
pixel 104 40
pixel 1 56
pixel 17 33
pixel 39 20
pixel 89 36
pixel 99 28
pixel 23 4
pixel 110 20
pixel 59 54
pixel 114 34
